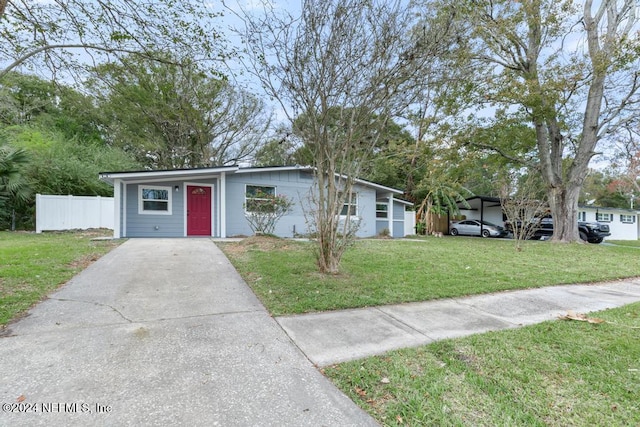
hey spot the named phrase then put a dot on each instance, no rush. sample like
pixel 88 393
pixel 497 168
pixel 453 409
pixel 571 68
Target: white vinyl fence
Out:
pixel 409 223
pixel 73 212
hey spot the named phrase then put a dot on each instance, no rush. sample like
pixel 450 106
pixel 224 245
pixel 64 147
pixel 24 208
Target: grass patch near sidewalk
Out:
pixel 632 243
pixel 32 265
pixel 557 373
pixel 377 272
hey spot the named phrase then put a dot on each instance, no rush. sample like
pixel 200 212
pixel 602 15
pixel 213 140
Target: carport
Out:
pixel 482 208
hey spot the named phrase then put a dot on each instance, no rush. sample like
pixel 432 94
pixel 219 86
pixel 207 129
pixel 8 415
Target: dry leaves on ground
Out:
pixel 572 315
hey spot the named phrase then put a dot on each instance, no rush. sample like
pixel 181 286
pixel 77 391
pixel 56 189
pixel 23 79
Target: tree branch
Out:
pixel 34 52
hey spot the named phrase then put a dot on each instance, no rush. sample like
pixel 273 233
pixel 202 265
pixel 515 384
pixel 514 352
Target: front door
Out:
pixel 198 211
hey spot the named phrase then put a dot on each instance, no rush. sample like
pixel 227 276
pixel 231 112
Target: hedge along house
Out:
pixel 212 202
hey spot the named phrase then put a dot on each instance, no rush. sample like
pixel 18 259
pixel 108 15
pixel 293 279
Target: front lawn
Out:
pixel 560 373
pixel 377 272
pixel 32 265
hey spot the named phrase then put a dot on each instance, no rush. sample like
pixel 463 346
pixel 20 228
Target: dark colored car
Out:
pixel 592 232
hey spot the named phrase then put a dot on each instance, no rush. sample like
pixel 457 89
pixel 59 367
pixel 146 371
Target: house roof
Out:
pixel 166 174
pixel 604 208
pixel 109 177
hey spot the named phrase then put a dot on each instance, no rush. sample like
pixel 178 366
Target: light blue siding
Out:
pixel 287 183
pixel 296 185
pixel 159 225
pixel 293 183
pixel 397 213
pixel 150 225
pixel 381 225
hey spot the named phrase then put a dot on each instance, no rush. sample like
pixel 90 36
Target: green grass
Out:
pixel 32 265
pixel 556 373
pixel 633 243
pixel 377 272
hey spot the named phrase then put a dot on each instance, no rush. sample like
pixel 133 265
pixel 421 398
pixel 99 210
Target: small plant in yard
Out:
pixel 523 206
pixel 264 210
pixel 384 234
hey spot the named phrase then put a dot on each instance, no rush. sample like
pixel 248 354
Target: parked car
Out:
pixel 592 232
pixel 473 227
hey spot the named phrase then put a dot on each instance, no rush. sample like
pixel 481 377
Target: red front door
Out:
pixel 198 211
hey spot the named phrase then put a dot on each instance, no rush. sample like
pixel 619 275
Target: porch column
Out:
pixel 222 205
pixel 390 214
pixel 117 206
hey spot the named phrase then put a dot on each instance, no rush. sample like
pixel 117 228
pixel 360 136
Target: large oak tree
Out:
pixel 571 73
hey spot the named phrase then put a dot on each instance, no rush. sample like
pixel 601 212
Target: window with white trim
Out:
pixel 350 206
pixel 154 200
pixel 604 217
pixel 627 219
pixel 256 195
pixel 582 216
pixel 382 210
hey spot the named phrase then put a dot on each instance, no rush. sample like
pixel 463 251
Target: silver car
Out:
pixel 472 227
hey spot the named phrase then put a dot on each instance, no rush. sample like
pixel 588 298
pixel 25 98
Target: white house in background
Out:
pixel 624 224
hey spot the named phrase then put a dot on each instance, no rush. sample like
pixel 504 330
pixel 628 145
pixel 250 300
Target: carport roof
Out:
pixel 475 202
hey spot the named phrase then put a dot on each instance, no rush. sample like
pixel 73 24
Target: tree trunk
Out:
pixel 3 6
pixel 563 201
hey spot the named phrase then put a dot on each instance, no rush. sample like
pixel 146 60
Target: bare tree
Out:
pixel 522 206
pixel 55 33
pixel 339 71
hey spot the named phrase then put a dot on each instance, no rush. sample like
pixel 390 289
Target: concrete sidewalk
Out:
pixel 161 332
pixel 333 337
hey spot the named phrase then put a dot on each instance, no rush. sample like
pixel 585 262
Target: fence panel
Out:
pixel 73 212
pixel 409 223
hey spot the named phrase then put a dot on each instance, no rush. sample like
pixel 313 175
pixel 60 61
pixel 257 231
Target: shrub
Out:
pixel 265 210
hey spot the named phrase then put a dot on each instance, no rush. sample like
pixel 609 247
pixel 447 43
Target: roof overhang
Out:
pixel 163 175
pixel 166 175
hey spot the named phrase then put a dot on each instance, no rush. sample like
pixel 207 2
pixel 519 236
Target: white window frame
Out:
pixel 353 202
pixel 604 217
pixel 275 193
pixel 627 218
pixel 385 210
pixel 143 211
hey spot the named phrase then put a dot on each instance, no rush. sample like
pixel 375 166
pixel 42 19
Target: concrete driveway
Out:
pixel 161 332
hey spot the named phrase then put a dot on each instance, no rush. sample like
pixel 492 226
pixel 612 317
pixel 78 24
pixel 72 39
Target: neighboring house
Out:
pixel 623 223
pixel 211 202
